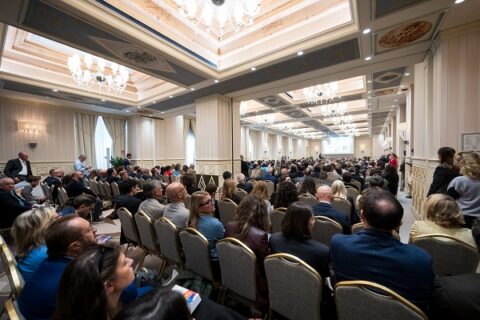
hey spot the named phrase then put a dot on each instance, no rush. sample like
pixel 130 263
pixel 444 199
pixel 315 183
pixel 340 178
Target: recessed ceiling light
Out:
pixel 368 58
pixel 407 74
pixel 162 112
pixel 458 1
pixel 216 81
pixel 253 68
pixel 192 89
pixel 154 102
pixel 369 81
pixel 395 100
pixel 170 96
pixel 128 111
pixel 55 90
pixel 367 31
pixel 103 100
pixel 300 53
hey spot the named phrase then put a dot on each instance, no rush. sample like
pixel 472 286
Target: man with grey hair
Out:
pixel 248 187
pixel 152 206
pixel 269 175
pixel 79 165
pixel 11 205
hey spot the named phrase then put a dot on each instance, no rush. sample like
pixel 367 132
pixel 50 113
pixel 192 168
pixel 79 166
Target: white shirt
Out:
pixel 24 171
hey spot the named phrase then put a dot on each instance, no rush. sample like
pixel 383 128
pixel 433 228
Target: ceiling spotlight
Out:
pixel 103 100
pixel 407 74
pixel 395 100
pixel 367 31
pixel 458 1
pixel 369 81
pixel 127 111
pixel 253 68
pixel 170 96
pixel 55 90
pixel 300 53
pixel 216 81
pixel 162 112
pixel 192 89
pixel 368 58
pixel 154 102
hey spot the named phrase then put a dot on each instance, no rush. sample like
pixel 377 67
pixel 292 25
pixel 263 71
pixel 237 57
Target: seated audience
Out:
pixel 261 191
pixel 340 191
pixel 28 233
pixel 189 183
pixel 27 186
pixel 241 183
pixel 308 187
pixel 373 254
pixel 251 226
pixel 269 175
pixel 128 189
pixel 228 191
pixel 175 210
pixel 347 180
pixel 11 204
pixel 81 206
pixel 444 172
pixel 76 188
pixel 324 208
pixel 151 206
pixel 201 218
pixel 211 188
pixel 295 238
pixel 92 283
pixel 112 176
pixel 285 195
pixel 54 178
pixel 443 217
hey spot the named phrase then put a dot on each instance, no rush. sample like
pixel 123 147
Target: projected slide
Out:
pixel 338 145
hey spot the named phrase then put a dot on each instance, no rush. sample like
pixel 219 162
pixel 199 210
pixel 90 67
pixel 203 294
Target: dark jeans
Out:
pixel 97 212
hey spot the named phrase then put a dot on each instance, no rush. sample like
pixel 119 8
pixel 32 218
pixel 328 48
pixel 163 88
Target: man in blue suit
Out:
pixel 324 208
pixel 375 255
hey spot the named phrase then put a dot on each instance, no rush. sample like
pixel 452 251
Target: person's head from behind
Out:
pixel 376 181
pixel 446 155
pixel 100 272
pixel 347 177
pixel 29 228
pixel 339 189
pixel 298 221
pixel 286 194
pixel 111 172
pixel 444 211
pixel 324 193
pixel 159 304
pixel 175 192
pixel 69 236
pixel 252 212
pixel 381 210
pixel 201 203
pixel 260 189
pixel 469 164
pixel 152 189
pixel 228 189
pixel 127 187
pixel 211 188
pixel 84 205
pixel 308 186
pixel 227 175
pixel 189 180
pixel 240 178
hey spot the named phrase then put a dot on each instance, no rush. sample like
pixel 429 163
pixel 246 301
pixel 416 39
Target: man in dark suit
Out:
pixel 18 169
pixel 324 208
pixel 76 188
pixel 373 254
pixel 244 166
pixel 54 178
pixel 126 161
pixel 241 184
pixel 11 205
pixel 269 175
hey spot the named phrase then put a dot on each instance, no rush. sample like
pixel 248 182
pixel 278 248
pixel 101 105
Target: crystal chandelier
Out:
pixel 333 111
pixel 92 72
pixel 215 14
pixel 322 93
pixel 265 119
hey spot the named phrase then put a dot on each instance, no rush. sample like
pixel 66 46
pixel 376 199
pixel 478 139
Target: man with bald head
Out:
pixel 176 211
pixel 373 254
pixel 324 208
pixel 18 169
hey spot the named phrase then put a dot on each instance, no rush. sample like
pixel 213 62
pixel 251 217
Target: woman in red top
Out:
pixel 393 161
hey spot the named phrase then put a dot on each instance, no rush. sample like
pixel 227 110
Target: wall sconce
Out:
pixel 32 132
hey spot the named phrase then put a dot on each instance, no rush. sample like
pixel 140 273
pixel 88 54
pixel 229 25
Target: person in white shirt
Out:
pixel 18 169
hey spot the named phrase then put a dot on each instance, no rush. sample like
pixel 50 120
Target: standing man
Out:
pixel 18 169
pixel 79 165
pixel 126 161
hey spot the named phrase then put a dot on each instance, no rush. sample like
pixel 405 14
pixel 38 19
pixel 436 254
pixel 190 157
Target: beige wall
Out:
pixel 363 143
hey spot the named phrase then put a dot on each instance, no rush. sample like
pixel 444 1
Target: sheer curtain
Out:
pixel 103 144
pixel 116 129
pixel 85 125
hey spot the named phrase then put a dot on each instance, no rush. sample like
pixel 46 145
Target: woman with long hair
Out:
pixel 91 284
pixel 391 176
pixel 202 210
pixel 443 217
pixel 285 195
pixel 228 191
pixel 444 172
pixel 308 186
pixel 251 226
pixel 339 190
pixel 261 191
pixel 28 232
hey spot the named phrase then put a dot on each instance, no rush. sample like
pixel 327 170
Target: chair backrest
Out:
pixel 450 256
pixel 46 190
pixel 169 240
pixel 276 219
pixel 227 210
pixel 294 288
pixel 352 192
pixel 108 189
pixel 129 226
pixel 359 227
pixel 187 201
pixel 12 310
pixel 308 199
pixel 147 234
pixel 270 187
pixel 365 300
pixel 342 205
pixel 357 183
pixel 62 196
pixel 196 251
pixel 241 193
pixel 95 187
pixel 115 189
pixel 238 267
pixel 324 229
pixel 101 189
pixel 9 264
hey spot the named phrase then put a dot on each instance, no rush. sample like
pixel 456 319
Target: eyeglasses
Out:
pixel 211 201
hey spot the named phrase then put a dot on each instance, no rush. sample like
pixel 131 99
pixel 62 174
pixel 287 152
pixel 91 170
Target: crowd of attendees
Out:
pixel 69 276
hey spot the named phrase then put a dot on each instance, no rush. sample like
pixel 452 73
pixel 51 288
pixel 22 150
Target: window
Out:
pixel 190 154
pixel 103 144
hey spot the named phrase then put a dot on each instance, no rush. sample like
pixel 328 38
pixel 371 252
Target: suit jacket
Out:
pixel 268 176
pixel 52 181
pixel 11 206
pixel 76 188
pixel 248 187
pixel 327 210
pixel 375 255
pixel 14 166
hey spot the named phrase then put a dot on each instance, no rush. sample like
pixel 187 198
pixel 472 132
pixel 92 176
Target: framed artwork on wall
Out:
pixel 471 141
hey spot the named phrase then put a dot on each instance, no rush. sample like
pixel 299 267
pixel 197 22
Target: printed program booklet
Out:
pixel 193 298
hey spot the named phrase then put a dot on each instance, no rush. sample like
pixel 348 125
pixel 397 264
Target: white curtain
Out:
pixel 186 128
pixel 85 125
pixel 116 129
pixel 193 126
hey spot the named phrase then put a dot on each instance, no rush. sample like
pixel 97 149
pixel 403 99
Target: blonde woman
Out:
pixel 444 217
pixel 228 191
pixel 466 188
pixel 260 190
pixel 202 209
pixel 28 232
pixel 339 190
